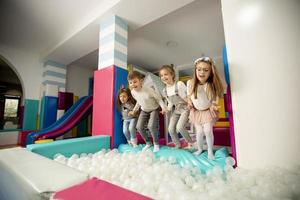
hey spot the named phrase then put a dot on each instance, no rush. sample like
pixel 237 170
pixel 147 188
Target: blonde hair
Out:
pixel 215 87
pixel 169 68
pixel 130 98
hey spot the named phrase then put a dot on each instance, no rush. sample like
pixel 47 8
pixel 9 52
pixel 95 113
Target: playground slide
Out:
pixel 70 119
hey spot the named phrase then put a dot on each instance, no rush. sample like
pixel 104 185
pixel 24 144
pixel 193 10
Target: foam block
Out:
pixel 49 107
pixel 65 100
pixel 103 102
pixel 30 114
pixel 71 146
pixel 96 189
pixel 26 175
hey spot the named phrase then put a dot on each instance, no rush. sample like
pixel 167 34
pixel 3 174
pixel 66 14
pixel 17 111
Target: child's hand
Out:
pixel 214 107
pixel 131 114
pixel 190 104
pixel 164 111
pixel 214 110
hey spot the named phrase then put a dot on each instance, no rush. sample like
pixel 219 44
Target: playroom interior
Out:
pixel 59 84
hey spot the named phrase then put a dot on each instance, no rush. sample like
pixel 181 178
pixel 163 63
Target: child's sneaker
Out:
pixel 177 145
pixel 198 152
pixel 156 148
pixel 147 146
pixel 190 147
pixel 210 155
pixel 134 142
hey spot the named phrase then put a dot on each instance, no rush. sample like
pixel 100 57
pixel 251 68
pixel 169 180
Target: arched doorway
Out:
pixel 11 94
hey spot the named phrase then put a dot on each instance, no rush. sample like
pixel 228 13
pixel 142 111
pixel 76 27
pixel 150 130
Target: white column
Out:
pixel 263 45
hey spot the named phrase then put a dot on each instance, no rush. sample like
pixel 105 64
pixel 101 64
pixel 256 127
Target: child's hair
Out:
pixel 130 98
pixel 169 68
pixel 215 87
pixel 135 74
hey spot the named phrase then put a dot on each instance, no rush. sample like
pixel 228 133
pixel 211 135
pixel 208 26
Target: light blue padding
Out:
pixel 30 114
pixel 68 147
pixel 120 79
pixel 184 157
pixel 226 67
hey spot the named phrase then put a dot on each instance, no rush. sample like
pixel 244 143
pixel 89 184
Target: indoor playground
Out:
pixel 62 64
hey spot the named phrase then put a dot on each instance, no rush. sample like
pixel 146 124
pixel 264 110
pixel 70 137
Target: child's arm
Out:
pixel 159 100
pixel 170 105
pixel 134 110
pixel 182 90
pixel 189 93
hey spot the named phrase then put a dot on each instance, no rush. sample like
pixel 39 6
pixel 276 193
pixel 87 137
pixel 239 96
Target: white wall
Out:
pixel 28 67
pixel 263 44
pixel 78 80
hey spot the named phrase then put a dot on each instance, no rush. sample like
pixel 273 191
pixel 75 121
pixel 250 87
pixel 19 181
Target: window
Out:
pixel 11 107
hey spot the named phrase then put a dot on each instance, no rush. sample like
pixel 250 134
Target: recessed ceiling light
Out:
pixel 172 43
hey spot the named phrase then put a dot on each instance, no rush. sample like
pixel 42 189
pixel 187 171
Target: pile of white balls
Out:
pixel 164 179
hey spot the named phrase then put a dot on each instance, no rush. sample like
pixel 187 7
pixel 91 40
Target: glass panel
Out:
pixel 11 107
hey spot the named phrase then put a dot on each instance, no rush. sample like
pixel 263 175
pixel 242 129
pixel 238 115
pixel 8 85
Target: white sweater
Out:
pixel 147 99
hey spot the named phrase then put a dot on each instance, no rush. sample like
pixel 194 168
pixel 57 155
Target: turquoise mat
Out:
pixel 184 157
pixel 68 147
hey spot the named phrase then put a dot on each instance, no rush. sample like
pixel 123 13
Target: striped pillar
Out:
pixel 54 80
pixel 55 74
pixel 111 74
pixel 113 43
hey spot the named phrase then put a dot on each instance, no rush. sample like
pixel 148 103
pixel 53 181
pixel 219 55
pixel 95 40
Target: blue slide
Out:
pixel 59 123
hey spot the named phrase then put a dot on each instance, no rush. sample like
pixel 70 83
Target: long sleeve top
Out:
pixel 147 99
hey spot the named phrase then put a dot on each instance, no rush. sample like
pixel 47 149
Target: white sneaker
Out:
pixel 198 152
pixel 210 155
pixel 134 142
pixel 147 146
pixel 156 148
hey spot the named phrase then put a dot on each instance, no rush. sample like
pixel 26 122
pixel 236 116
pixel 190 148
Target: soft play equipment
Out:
pixel 184 157
pixel 27 175
pixel 72 117
pixel 68 147
pixel 96 189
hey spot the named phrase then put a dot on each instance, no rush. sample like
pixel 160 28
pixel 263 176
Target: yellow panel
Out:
pixel 75 98
pixel 222 108
pixel 185 78
pixel 38 122
pixel 129 67
pixel 222 124
pixel 43 141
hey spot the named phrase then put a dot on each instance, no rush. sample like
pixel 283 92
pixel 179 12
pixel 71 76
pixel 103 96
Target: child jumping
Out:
pixel 175 93
pixel 126 104
pixel 149 101
pixel 204 91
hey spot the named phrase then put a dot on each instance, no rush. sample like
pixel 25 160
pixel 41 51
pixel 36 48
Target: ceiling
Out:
pixel 67 31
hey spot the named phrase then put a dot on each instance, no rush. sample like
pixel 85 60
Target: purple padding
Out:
pixel 230 113
pixel 221 136
pixel 65 100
